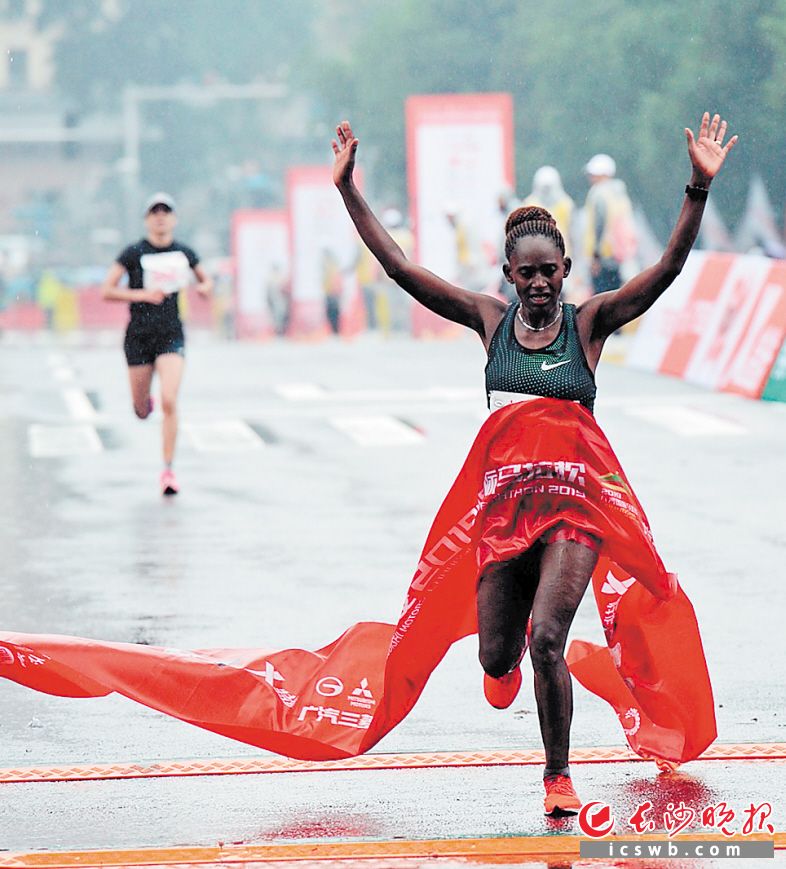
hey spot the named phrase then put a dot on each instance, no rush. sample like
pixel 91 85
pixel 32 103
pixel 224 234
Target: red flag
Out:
pixel 532 466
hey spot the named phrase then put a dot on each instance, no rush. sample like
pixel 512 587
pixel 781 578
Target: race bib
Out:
pixel 168 272
pixel 498 398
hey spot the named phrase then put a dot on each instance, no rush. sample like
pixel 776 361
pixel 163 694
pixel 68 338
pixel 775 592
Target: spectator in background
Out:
pixel 609 232
pixel 465 265
pixel 277 295
pixel 48 293
pixel 548 192
pixel 507 201
pixel 368 274
pixel 394 309
pixel 331 286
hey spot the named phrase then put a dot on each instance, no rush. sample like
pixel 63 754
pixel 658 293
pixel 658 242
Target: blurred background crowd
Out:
pixel 104 101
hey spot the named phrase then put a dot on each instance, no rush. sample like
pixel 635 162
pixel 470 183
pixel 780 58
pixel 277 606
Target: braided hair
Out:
pixel 531 220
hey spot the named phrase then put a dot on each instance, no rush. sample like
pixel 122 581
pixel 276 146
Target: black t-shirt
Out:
pixel 157 268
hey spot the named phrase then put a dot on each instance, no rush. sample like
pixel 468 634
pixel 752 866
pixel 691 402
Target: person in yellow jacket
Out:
pixel 609 231
pixel 48 294
pixel 548 192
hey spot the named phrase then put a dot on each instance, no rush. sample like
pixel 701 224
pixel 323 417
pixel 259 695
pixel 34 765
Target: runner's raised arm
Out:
pixel 470 309
pixel 614 309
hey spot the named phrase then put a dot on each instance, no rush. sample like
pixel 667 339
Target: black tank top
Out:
pixel 558 370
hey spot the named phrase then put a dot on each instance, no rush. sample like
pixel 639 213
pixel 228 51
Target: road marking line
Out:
pixel 686 421
pixel 376 431
pixel 508 848
pixel 63 373
pixel 78 404
pixel 300 391
pixel 774 751
pixel 436 393
pixel 48 441
pixel 222 436
pixel 313 392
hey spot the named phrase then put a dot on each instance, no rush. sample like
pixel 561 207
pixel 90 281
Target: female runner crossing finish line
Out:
pixel 540 506
pixel 539 346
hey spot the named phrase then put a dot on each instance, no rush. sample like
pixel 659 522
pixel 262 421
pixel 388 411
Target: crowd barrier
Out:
pixel 721 325
pixel 85 308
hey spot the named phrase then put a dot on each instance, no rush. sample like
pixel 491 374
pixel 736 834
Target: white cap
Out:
pixel 546 176
pixel 159 198
pixel 602 165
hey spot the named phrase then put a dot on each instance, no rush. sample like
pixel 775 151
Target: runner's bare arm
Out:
pixel 111 290
pixel 475 310
pixel 610 311
pixel 205 282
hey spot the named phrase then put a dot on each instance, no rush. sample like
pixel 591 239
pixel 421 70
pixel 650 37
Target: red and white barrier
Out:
pixel 720 325
pixel 23 317
pixel 260 253
pixel 95 312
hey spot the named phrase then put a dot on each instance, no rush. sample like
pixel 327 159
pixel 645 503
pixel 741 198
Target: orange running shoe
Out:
pixel 501 692
pixel 561 797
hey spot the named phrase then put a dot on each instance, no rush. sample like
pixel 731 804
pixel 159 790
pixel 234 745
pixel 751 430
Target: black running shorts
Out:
pixel 142 348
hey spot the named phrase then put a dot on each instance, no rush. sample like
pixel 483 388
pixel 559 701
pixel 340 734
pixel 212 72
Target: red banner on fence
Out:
pixel 720 325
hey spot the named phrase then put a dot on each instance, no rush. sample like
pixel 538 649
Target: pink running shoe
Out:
pixel 169 483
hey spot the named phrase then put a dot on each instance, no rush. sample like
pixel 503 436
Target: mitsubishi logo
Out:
pixel 363 690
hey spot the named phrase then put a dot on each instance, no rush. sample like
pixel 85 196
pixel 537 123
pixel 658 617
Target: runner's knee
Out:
pixel 168 405
pixel 497 658
pixel 546 647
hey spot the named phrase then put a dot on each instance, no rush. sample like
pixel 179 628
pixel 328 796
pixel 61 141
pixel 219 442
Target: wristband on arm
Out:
pixel 697 194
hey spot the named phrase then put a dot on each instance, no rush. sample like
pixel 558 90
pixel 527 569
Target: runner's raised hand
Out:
pixel 344 147
pixel 707 152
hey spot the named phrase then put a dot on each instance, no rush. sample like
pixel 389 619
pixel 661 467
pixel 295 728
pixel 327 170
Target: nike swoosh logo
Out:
pixel 546 367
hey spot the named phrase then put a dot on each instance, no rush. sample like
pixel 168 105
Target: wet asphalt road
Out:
pixel 287 536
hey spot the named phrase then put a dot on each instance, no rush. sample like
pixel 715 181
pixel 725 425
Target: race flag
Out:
pixel 758 230
pixel 650 249
pixel 713 234
pixel 533 465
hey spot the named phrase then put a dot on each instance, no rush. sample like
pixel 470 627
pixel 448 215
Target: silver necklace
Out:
pixel 526 325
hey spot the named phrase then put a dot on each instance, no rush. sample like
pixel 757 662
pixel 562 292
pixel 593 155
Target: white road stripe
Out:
pixel 46 441
pixel 78 404
pixel 222 436
pixel 314 392
pixel 63 373
pixel 686 421
pixel 376 430
pixel 300 391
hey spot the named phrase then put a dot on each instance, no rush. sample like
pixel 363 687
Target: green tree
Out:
pixel 621 76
